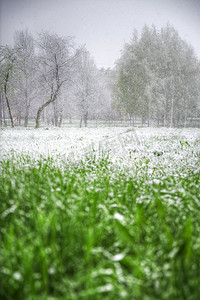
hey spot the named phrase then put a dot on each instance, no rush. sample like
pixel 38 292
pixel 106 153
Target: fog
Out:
pixel 77 61
pixel 103 26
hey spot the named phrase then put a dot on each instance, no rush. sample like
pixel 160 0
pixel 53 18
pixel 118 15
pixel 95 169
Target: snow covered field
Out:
pixel 120 223
pixel 166 149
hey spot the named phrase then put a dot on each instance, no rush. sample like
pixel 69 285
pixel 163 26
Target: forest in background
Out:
pixel 156 79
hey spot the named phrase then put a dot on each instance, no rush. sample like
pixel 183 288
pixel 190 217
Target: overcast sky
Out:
pixel 103 25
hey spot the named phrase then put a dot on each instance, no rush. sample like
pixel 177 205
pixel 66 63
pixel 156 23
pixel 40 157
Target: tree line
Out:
pixel 50 77
pixel 156 79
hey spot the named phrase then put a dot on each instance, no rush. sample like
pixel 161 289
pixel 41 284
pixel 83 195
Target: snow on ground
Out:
pixel 51 142
pixel 154 149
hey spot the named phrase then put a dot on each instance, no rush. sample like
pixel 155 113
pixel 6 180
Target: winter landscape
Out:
pixel 95 213
pixel 99 166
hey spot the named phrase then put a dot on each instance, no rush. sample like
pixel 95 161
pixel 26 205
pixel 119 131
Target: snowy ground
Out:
pixel 156 149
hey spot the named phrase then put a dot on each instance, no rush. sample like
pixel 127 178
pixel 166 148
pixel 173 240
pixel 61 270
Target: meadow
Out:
pixel 100 213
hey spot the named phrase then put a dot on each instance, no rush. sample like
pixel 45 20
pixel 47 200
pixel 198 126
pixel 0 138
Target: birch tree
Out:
pixel 157 76
pixel 86 85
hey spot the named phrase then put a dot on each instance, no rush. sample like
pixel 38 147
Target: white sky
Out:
pixel 103 25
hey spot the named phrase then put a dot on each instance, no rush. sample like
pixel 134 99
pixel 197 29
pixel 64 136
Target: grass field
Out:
pixel 100 214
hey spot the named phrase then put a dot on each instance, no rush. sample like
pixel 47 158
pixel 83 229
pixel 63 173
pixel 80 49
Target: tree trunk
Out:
pixel 148 121
pixel 7 102
pixel 44 116
pixel 165 117
pixel 133 121
pixel 26 116
pixel 85 119
pixel 40 110
pixel 19 118
pixel 172 114
pixel 61 118
pixel 148 115
pixel 185 116
pixel 165 112
pixel 158 119
pixel 1 110
pixel 81 122
pixel 55 110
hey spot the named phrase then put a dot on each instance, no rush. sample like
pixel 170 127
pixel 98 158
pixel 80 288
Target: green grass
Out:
pixel 87 231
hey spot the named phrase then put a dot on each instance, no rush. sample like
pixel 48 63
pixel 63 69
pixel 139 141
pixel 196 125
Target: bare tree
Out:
pixel 8 66
pixel 57 57
pixel 26 78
